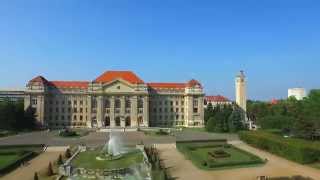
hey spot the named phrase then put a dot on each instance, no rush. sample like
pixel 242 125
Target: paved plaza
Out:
pixel 99 138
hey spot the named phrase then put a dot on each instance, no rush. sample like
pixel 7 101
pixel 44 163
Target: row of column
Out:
pixel 134 115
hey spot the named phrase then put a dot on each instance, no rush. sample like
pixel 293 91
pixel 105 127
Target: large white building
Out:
pixel 115 99
pixel 298 93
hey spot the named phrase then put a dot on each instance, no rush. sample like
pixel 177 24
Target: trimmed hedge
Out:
pixel 187 147
pixel 297 150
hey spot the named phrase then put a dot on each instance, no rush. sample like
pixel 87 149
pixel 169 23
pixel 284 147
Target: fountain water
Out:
pixel 113 148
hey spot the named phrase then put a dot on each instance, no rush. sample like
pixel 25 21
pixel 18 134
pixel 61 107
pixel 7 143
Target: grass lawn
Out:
pixel 199 154
pixel 12 155
pixel 5 160
pixel 5 133
pixel 195 129
pixel 88 160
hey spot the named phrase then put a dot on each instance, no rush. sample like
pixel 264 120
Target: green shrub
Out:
pixel 68 133
pixel 297 150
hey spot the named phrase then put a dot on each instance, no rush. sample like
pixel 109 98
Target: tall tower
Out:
pixel 241 92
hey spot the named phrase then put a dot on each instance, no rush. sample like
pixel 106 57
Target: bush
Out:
pixel 68 133
pixel 162 132
pixel 35 177
pixel 50 170
pixel 297 150
pixel 60 161
pixel 68 153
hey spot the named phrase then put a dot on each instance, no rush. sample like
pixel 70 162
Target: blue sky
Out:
pixel 276 42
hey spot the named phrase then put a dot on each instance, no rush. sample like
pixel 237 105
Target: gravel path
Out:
pixel 183 169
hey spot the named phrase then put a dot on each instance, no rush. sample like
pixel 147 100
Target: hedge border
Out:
pixel 184 149
pixel 26 156
pixel 293 149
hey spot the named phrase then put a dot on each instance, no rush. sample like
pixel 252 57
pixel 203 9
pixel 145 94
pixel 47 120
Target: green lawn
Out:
pixel 88 160
pixel 198 153
pixel 7 159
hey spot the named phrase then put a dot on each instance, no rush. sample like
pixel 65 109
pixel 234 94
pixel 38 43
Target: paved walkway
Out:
pixel 183 169
pixel 35 165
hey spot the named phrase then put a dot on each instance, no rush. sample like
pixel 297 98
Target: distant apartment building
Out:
pixel 298 93
pixel 115 99
pixel 216 100
pixel 11 95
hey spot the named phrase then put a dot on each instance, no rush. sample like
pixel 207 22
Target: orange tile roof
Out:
pixel 69 84
pixel 39 79
pixel 167 85
pixel 109 76
pixel 193 83
pixel 217 98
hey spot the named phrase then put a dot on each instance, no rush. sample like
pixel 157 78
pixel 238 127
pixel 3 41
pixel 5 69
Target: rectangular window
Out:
pixel 195 103
pixel 34 101
pixel 182 103
pixel 182 110
pixel 57 110
pixel 62 110
pixel 195 110
pixel 74 117
pixel 75 110
pixel 81 110
pixel 62 117
pixel 69 110
pixel 69 102
pixel 81 102
pixel 177 103
pixel 171 103
pixel 81 118
pixel 74 102
pixel 177 109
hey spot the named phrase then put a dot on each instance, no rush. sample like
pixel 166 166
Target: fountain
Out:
pixel 113 161
pixel 113 148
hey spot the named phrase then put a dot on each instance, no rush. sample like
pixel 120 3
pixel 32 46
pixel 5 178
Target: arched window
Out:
pixel 117 103
pixel 107 121
pixel 140 120
pixel 128 121
pixel 94 102
pixel 128 103
pixel 118 121
pixel 140 103
pixel 107 103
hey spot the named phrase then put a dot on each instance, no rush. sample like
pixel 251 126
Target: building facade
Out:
pixel 216 100
pixel 11 95
pixel 298 93
pixel 113 100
